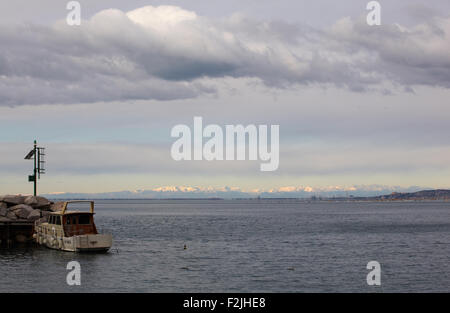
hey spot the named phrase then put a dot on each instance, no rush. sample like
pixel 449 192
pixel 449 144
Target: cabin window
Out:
pixel 84 219
pixel 50 220
pixel 68 220
pixel 58 220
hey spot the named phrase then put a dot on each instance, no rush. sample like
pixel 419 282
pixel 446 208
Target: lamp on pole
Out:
pixel 37 154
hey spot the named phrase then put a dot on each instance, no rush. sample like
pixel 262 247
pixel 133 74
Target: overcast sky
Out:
pixel 356 104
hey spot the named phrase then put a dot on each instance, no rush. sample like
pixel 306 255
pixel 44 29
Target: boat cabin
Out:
pixel 74 223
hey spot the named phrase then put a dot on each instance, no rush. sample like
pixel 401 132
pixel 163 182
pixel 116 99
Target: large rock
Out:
pixel 34 215
pixel 57 206
pixel 31 208
pixel 37 202
pixel 11 216
pixel 13 199
pixel 31 201
pixel 22 210
pixel 3 211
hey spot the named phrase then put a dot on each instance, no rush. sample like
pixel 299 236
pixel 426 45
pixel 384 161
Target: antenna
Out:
pixel 38 155
pixel 41 161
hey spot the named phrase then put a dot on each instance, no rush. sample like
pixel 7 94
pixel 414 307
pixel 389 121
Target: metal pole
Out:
pixel 35 168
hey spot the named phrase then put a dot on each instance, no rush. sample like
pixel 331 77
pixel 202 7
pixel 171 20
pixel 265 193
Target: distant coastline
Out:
pixel 423 195
pixel 436 194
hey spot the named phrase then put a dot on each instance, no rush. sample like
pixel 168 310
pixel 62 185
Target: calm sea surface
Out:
pixel 249 246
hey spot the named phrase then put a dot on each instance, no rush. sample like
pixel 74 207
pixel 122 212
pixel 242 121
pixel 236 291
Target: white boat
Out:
pixel 71 231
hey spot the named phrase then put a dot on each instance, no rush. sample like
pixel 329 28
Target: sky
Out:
pixel 360 108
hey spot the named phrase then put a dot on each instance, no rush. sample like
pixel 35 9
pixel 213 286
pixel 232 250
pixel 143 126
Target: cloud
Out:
pixel 167 53
pixel 407 56
pixel 295 159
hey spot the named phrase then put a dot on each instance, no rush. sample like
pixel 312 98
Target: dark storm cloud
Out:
pixel 167 53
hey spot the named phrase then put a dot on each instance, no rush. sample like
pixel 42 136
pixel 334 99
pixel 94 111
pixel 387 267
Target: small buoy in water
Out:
pixel 185 247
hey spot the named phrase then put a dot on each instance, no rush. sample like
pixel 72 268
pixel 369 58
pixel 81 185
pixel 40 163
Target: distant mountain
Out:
pixel 368 192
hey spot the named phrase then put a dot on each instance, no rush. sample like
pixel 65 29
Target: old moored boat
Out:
pixel 71 231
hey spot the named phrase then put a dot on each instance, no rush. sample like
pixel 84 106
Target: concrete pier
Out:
pixel 12 232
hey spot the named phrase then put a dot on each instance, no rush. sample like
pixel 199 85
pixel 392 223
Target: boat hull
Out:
pixel 79 243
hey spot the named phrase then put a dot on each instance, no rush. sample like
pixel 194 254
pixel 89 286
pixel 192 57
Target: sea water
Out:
pixel 249 246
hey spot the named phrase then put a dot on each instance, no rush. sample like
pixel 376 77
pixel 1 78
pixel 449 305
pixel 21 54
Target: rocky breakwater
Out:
pixel 24 208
